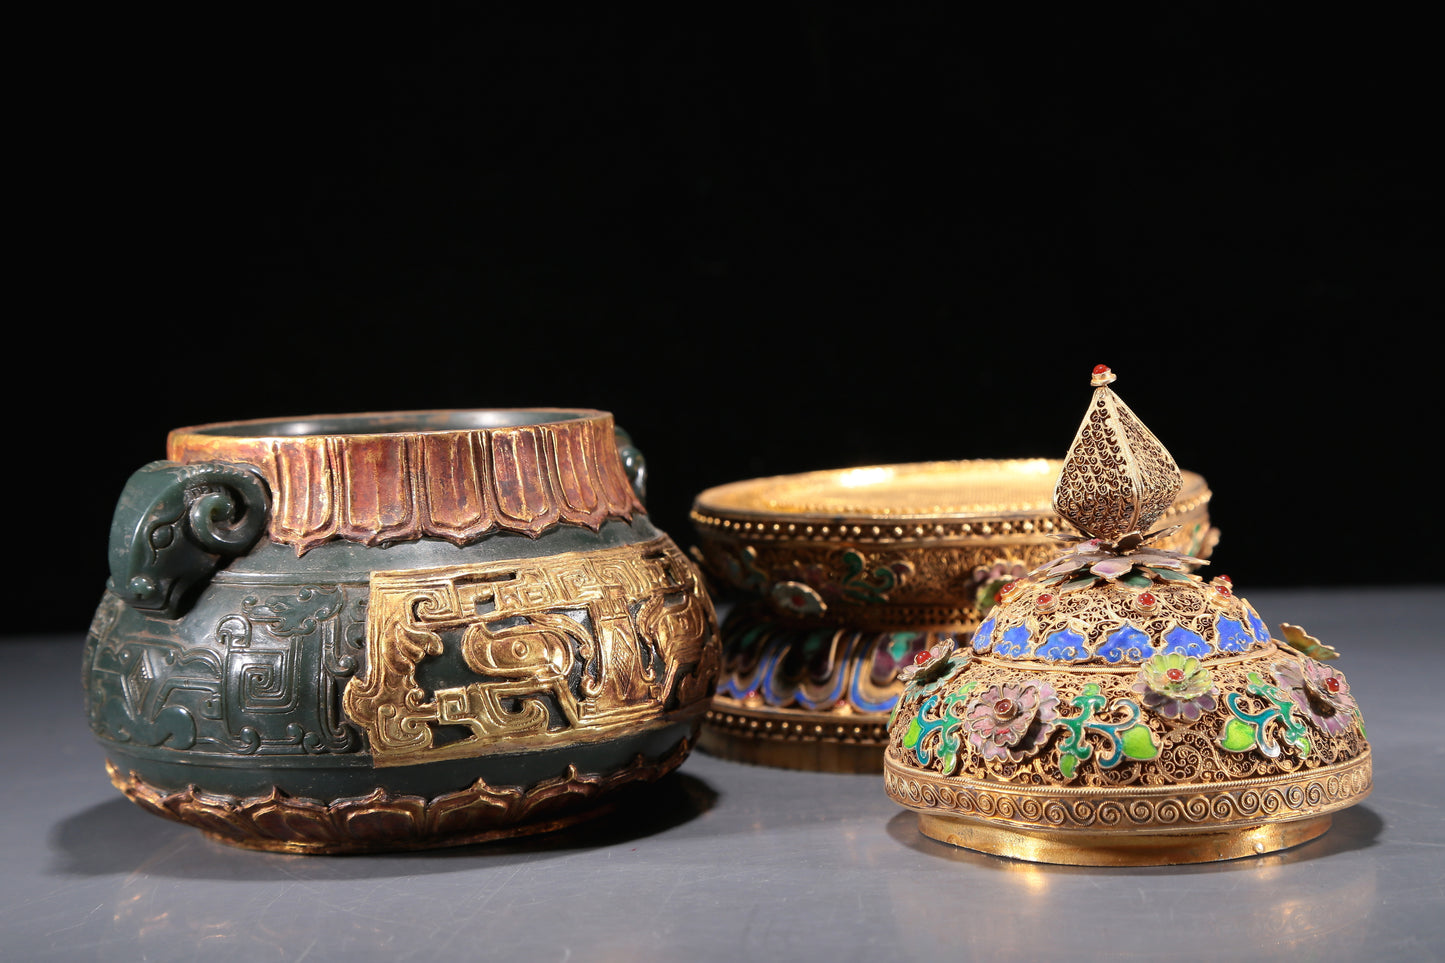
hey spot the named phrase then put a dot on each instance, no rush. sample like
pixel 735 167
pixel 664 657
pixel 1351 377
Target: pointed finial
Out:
pixel 1117 478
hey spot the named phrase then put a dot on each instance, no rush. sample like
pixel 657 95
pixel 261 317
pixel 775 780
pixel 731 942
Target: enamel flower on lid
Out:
pixel 1119 709
pixel 1322 693
pixel 934 666
pixel 1174 684
pixel 1009 721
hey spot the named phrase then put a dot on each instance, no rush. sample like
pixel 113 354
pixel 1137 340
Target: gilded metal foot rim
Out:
pixel 1116 849
pixel 817 755
pixel 869 729
pixel 794 739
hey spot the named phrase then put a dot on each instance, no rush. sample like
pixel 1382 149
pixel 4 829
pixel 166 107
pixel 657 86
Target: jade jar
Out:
pixel 394 631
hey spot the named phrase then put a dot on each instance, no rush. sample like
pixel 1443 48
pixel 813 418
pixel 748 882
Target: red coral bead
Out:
pixel 1045 599
pixel 1333 684
pixel 1100 368
pixel 923 658
pixel 1147 598
pixel 1175 674
pixel 1003 708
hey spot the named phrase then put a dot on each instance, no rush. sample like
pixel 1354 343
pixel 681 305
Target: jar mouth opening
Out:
pixel 392 422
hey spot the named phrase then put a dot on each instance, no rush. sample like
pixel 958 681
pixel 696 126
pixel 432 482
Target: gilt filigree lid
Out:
pixel 1117 708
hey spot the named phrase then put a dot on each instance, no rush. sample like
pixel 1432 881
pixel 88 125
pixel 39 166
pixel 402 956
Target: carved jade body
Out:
pixel 400 630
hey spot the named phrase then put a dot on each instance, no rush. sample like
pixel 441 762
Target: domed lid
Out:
pixel 1115 708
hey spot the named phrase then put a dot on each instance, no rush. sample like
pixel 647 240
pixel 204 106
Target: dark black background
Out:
pixel 795 237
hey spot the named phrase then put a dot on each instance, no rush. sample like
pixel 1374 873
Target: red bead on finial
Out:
pixel 1102 375
pixel 1100 368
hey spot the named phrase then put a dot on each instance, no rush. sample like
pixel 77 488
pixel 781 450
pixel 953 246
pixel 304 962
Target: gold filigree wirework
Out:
pixel 1117 477
pixel 1189 751
pixel 1218 805
pixel 1189 605
pixel 1114 692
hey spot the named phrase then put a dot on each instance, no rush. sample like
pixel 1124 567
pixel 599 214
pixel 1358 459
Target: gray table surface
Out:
pixel 727 861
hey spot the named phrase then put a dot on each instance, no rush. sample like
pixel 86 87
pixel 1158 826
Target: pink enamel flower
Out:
pixel 1320 692
pixel 1093 559
pixel 1012 721
pixel 933 667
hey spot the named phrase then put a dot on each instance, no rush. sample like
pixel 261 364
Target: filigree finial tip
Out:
pixel 1102 376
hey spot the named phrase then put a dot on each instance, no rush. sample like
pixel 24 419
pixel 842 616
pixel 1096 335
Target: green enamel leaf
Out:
pixel 947 761
pixel 1067 763
pixel 912 734
pixel 1360 721
pixel 1238 736
pixel 1137 742
pixel 1136 580
pixel 956 703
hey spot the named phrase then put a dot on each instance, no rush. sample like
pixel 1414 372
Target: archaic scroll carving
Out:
pixel 548 651
pixel 265 681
